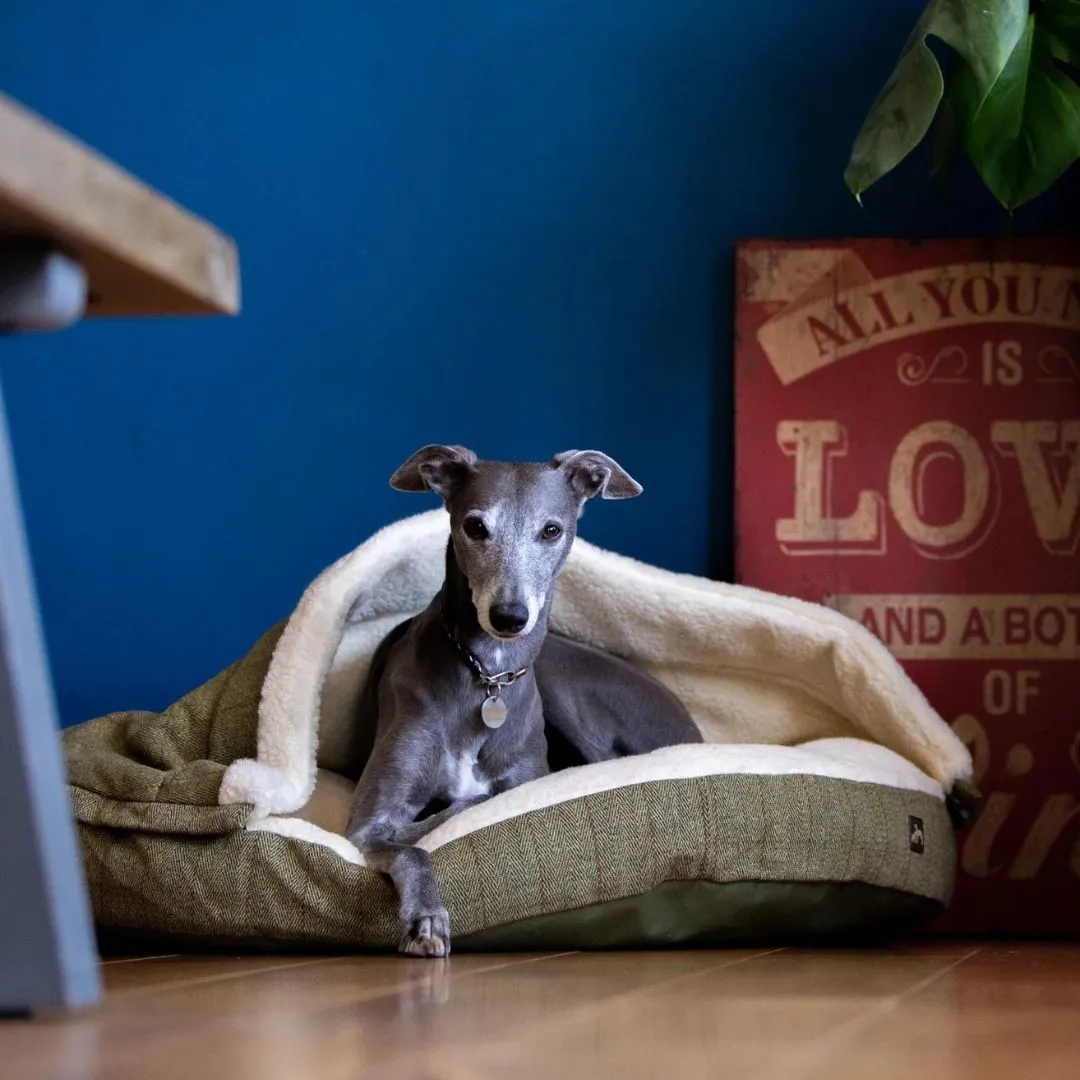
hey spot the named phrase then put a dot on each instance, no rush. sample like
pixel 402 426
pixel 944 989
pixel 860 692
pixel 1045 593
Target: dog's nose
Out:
pixel 508 618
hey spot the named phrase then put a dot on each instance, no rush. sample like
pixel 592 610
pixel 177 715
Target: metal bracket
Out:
pixel 41 288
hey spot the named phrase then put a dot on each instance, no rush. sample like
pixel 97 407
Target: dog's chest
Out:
pixel 462 778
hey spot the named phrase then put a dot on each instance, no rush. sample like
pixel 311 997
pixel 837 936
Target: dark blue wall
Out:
pixel 506 223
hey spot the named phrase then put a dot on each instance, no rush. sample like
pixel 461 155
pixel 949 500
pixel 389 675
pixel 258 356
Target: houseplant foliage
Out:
pixel 1008 96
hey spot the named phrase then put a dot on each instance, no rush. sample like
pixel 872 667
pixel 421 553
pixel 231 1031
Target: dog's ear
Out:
pixel 591 473
pixel 442 469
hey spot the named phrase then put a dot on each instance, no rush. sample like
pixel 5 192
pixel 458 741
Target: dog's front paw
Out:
pixel 427 935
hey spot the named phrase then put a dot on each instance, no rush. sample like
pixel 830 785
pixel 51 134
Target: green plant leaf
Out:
pixel 1061 19
pixel 946 145
pixel 1026 132
pixel 983 34
pixel 947 142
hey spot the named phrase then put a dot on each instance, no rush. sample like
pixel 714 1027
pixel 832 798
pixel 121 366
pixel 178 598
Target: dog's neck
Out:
pixel 459 611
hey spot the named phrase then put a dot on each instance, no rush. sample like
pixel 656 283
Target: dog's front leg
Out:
pixel 409 834
pixel 530 763
pixel 392 790
pixel 425 922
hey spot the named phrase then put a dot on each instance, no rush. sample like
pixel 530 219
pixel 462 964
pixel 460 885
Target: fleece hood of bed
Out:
pixel 750 666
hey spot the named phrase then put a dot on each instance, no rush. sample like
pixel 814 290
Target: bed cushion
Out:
pixel 816 809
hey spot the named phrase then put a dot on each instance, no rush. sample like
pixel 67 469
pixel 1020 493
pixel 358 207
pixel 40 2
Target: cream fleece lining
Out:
pixel 752 668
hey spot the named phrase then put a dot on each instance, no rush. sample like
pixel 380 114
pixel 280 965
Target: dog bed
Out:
pixel 816 808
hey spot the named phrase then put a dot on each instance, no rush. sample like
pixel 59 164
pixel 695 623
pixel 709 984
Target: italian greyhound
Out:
pixel 453 710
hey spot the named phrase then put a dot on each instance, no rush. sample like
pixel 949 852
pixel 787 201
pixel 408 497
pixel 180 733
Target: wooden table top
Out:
pixel 144 255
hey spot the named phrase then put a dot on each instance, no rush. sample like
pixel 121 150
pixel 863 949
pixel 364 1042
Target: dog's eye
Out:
pixel 475 529
pixel 551 531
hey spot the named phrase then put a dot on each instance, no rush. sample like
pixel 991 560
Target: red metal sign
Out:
pixel 908 452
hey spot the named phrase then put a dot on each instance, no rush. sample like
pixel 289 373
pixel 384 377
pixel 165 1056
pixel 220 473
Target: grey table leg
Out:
pixel 47 953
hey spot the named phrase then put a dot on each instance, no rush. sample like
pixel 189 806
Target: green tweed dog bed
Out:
pixel 815 809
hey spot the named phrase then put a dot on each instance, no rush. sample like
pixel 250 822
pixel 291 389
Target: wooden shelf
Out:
pixel 144 254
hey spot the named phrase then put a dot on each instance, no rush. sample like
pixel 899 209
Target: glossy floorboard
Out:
pixel 931 1010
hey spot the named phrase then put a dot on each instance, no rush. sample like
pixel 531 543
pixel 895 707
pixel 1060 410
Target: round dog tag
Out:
pixel 493 712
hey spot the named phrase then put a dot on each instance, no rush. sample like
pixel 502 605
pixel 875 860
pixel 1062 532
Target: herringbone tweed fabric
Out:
pixel 163 858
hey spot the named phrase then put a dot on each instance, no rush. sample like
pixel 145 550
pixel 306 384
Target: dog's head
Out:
pixel 512 523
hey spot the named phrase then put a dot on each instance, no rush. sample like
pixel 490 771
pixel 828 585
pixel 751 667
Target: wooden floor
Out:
pixel 926 1011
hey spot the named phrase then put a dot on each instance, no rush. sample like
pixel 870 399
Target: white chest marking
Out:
pixel 462 780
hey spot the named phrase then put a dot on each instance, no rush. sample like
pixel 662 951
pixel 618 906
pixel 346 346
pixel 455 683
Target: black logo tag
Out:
pixel 916 835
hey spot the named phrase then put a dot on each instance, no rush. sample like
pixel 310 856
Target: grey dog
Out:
pixel 456 699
